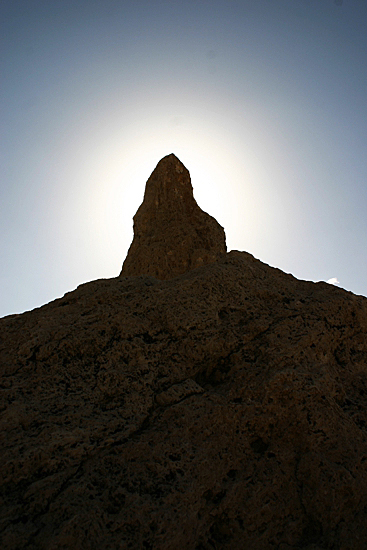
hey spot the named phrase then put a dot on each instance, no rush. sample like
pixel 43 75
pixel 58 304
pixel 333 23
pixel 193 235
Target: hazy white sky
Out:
pixel 264 101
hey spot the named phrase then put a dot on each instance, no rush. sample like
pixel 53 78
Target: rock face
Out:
pixel 225 408
pixel 172 234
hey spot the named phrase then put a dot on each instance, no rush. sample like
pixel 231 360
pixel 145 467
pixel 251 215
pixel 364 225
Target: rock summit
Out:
pixel 172 234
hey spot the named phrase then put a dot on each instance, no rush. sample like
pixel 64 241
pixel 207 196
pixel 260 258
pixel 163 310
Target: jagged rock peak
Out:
pixel 172 234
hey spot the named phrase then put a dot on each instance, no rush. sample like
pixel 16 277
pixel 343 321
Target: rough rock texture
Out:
pixel 222 409
pixel 171 233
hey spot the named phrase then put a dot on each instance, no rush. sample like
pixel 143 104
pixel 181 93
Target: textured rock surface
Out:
pixel 171 233
pixel 225 408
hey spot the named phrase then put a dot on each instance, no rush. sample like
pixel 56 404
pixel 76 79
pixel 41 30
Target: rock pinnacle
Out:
pixel 172 234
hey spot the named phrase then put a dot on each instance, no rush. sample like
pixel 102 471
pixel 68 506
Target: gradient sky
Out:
pixel 264 101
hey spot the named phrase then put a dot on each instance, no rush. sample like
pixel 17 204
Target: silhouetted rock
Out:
pixel 172 234
pixel 224 408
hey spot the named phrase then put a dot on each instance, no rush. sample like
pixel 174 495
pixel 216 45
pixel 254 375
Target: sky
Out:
pixel 264 101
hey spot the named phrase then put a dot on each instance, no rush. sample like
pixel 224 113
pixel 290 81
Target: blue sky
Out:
pixel 264 101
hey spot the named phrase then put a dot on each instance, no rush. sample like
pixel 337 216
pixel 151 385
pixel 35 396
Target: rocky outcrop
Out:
pixel 172 234
pixel 225 408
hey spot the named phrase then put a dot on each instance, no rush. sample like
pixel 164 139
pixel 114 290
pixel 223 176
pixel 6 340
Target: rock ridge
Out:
pixel 223 408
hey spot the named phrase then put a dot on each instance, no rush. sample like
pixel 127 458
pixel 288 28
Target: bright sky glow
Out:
pixel 264 102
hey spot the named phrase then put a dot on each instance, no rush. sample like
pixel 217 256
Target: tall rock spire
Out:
pixel 172 234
